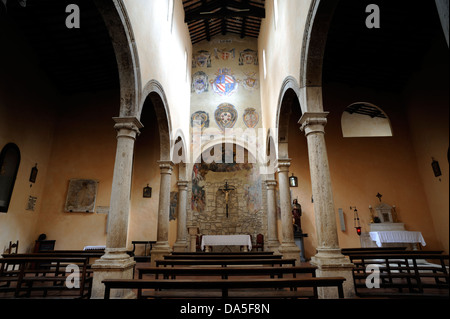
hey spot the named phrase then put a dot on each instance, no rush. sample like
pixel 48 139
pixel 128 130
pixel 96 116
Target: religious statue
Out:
pixel 296 216
pixel 226 190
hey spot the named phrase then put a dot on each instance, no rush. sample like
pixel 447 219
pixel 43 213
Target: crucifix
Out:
pixel 226 190
pixel 379 196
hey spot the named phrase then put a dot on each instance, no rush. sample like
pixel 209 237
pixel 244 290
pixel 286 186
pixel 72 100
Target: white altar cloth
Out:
pixel 411 237
pixel 94 247
pixel 226 240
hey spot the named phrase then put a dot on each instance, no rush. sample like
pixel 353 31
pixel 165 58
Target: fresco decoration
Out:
pixel 198 199
pixel 248 56
pixel 200 117
pixel 201 59
pixel 251 117
pixel 225 84
pixel 251 81
pixel 226 116
pixel 225 54
pixel 200 82
pixel 81 196
pixel 173 206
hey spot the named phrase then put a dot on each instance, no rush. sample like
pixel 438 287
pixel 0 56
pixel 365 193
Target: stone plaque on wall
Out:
pixel 81 196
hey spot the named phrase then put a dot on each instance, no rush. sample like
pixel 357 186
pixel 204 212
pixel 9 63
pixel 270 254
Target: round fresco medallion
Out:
pixel 200 82
pixel 225 116
pixel 251 117
pixel 225 83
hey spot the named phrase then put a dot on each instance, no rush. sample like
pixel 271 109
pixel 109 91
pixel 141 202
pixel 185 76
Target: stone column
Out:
pixel 162 247
pixel 272 227
pixel 193 232
pixel 288 247
pixel 328 258
pixel 181 243
pixel 116 263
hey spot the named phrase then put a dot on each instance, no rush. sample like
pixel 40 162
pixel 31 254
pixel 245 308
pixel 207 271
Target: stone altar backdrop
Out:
pixel 246 211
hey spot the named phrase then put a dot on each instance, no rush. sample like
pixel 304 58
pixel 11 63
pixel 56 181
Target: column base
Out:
pixel 290 251
pixel 273 245
pixel 114 264
pixel 180 246
pixel 159 250
pixel 331 263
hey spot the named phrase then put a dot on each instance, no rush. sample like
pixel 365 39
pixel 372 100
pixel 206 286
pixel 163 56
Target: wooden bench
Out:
pixel 234 253
pixel 43 274
pixel 255 288
pixel 399 271
pixel 186 257
pixel 371 249
pixel 224 272
pixel 224 262
pixel 393 252
pixel 60 254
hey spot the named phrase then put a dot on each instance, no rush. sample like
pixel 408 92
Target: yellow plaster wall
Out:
pixel 27 103
pixel 162 45
pixel 283 47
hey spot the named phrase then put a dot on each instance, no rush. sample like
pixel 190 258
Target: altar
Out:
pixel 226 240
pixel 381 238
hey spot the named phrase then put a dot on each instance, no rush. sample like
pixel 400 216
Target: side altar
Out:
pixel 386 231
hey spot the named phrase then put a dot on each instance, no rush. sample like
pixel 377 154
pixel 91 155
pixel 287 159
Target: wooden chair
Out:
pixel 259 242
pixel 13 247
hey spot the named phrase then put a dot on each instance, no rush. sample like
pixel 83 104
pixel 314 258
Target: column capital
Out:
pixel 270 183
pixel 283 164
pixel 127 126
pixel 313 122
pixel 182 185
pixel 166 167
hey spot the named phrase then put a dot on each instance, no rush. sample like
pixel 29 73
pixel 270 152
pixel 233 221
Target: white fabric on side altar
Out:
pixel 411 237
pixel 226 240
pixel 94 247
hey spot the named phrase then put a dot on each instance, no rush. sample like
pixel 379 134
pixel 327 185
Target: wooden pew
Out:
pixel 222 256
pixel 224 262
pixel 45 271
pixel 182 288
pixel 224 272
pixel 235 253
pixel 63 254
pixel 397 272
pixel 371 249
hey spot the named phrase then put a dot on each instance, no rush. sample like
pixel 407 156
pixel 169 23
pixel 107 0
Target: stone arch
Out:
pixel 153 94
pixel 311 63
pixel 119 27
pixel 289 94
pixel 179 146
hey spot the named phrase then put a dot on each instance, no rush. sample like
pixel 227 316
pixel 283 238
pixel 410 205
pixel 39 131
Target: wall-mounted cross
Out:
pixel 379 196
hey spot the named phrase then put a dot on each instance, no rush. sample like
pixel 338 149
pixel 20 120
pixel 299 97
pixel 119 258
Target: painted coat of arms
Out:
pixel 251 117
pixel 201 59
pixel 225 83
pixel 200 82
pixel 224 54
pixel 200 118
pixel 248 56
pixel 225 116
pixel 250 82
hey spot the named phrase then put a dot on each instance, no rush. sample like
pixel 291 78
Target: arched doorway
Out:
pixel 215 209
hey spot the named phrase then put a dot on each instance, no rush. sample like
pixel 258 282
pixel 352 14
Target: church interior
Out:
pixel 169 122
